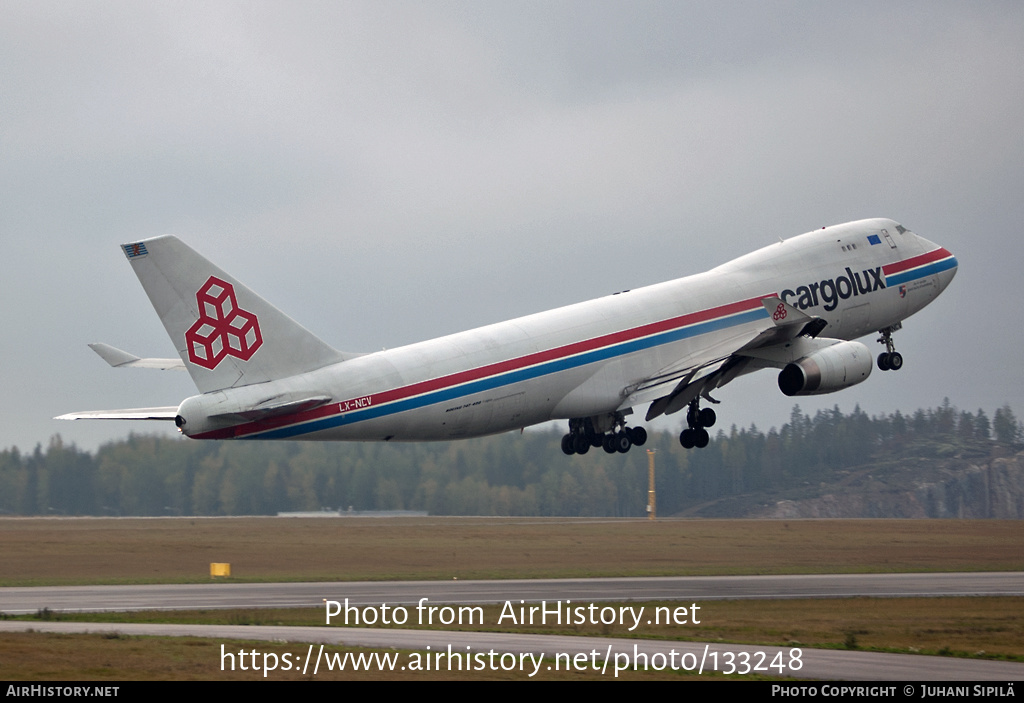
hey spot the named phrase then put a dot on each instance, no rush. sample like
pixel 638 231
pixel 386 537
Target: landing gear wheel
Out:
pixel 707 417
pixel 581 444
pixel 687 439
pixel 895 361
pixel 638 435
pixel 702 438
pixel 622 442
pixel 567 445
pixel 609 443
pixel 884 361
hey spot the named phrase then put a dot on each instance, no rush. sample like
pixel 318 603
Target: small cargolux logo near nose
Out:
pixel 223 329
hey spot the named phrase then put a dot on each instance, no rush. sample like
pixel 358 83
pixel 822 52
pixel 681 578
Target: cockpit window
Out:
pixel 901 229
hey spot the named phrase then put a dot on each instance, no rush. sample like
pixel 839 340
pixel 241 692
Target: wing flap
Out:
pixel 735 357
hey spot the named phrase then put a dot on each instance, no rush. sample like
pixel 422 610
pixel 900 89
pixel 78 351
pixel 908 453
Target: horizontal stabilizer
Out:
pixel 121 359
pixel 166 413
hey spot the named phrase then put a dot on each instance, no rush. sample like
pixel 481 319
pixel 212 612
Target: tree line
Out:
pixel 511 474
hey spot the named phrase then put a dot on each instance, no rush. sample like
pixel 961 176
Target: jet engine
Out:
pixel 830 369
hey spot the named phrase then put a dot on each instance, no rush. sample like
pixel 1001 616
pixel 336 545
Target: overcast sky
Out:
pixel 387 172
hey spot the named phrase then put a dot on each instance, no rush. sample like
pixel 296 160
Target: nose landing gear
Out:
pixel 890 359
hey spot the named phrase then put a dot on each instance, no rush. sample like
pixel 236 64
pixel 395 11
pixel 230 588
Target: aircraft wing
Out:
pixel 718 365
pixel 165 413
pixel 120 359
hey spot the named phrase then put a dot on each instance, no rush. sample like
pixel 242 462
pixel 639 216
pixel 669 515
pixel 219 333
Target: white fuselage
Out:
pixel 591 358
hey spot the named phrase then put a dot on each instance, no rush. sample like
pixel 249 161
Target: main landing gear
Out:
pixel 582 436
pixel 697 418
pixel 890 359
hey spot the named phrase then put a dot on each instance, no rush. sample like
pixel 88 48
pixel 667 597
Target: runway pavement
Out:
pixel 307 595
pixel 814 664
pixel 601 656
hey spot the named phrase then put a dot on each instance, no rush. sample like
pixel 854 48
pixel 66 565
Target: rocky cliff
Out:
pixel 937 487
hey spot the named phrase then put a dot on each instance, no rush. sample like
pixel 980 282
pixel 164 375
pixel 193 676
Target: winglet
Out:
pixel 781 312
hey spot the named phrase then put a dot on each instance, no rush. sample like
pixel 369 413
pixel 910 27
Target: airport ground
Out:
pixel 179 550
pixel 113 551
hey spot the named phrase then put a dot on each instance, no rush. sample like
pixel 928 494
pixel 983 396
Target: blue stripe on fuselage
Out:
pixel 511 377
pixel 913 274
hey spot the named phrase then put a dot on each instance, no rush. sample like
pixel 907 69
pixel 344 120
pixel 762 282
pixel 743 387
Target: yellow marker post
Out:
pixel 651 501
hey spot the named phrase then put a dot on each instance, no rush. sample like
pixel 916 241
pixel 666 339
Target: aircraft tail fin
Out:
pixel 225 333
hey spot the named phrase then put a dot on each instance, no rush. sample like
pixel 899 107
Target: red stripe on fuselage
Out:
pixel 915 261
pixel 494 369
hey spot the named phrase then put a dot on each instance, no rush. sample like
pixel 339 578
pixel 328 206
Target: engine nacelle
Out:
pixel 830 369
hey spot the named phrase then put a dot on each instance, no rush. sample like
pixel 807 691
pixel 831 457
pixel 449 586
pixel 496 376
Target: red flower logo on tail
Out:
pixel 223 329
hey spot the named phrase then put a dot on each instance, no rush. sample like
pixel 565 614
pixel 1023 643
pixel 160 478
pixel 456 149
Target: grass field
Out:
pixel 80 551
pixel 990 628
